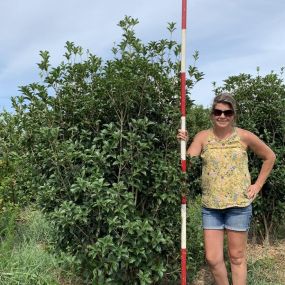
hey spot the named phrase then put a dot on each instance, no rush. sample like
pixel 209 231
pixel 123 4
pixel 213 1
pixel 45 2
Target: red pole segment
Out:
pixel 183 144
pixel 183 241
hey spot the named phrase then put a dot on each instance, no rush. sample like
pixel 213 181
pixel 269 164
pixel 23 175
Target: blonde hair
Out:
pixel 226 98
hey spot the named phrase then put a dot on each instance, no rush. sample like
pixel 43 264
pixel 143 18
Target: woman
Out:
pixel 227 189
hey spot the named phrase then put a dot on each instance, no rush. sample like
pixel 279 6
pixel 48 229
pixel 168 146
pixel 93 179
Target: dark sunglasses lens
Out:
pixel 227 113
pixel 217 112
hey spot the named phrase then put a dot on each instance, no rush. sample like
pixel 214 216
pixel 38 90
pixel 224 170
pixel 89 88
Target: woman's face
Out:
pixel 223 115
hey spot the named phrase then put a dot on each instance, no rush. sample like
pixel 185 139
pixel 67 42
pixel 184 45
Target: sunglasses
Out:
pixel 227 113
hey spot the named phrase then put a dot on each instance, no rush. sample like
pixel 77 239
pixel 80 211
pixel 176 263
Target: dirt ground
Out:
pixel 256 252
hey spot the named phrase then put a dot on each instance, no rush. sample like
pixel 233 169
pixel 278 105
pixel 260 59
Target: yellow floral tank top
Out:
pixel 225 174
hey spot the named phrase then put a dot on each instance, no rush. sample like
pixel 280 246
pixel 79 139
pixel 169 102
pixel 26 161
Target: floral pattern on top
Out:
pixel 225 175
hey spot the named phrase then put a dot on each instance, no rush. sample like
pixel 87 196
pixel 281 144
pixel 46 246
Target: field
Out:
pixel 266 266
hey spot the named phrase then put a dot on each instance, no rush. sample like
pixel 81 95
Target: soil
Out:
pixel 255 252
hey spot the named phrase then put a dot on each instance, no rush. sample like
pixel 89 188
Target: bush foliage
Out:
pixel 93 144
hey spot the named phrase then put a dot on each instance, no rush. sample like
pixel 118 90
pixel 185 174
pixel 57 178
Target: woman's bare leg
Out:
pixel 214 250
pixel 237 252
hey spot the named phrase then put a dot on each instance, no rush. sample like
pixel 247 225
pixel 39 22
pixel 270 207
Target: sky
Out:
pixel 232 36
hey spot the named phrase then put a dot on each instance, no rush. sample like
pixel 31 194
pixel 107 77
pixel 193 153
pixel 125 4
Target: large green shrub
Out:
pixel 97 151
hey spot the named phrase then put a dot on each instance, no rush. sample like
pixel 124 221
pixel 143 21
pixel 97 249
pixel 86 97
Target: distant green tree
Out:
pixel 10 161
pixel 261 102
pixel 97 151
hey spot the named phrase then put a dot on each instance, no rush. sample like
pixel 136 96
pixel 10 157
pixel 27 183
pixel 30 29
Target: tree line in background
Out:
pixel 93 145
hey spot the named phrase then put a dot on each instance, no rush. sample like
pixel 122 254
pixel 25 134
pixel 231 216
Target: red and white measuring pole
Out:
pixel 183 143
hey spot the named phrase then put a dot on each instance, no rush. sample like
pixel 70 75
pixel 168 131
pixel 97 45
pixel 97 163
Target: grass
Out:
pixel 27 255
pixel 262 272
pixel 26 251
pixel 266 264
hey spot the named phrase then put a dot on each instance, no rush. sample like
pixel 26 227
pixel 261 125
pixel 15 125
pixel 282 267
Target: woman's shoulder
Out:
pixel 256 144
pixel 246 136
pixel 203 136
pixel 244 133
pixel 198 143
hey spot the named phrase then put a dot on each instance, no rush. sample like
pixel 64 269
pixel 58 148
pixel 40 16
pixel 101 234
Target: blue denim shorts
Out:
pixel 234 218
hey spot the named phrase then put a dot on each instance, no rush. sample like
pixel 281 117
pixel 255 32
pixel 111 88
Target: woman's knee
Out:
pixel 237 257
pixel 214 260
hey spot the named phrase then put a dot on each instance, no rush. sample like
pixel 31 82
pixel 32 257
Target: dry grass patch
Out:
pixel 266 266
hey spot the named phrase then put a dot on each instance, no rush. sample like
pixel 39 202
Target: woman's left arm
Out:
pixel 266 154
